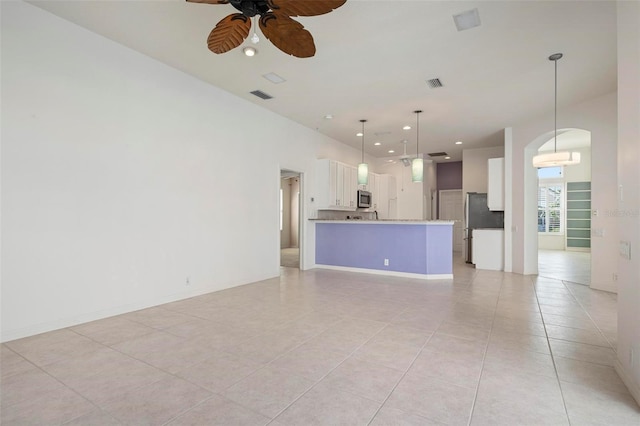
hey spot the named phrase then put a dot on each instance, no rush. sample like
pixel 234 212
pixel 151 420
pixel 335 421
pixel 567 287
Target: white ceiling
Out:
pixel 373 58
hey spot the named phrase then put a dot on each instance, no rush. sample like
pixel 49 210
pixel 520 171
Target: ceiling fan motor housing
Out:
pixel 251 8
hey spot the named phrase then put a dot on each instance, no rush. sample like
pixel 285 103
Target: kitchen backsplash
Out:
pixel 343 215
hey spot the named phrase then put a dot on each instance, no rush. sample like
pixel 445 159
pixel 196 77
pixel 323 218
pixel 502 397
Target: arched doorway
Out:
pixel 558 211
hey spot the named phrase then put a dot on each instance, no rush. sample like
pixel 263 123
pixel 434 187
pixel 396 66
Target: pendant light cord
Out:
pixel 417 132
pixel 363 121
pixel 555 110
pixel 555 58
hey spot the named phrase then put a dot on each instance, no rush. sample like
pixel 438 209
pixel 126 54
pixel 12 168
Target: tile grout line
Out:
pixel 333 369
pixel 403 376
pixel 591 318
pixel 553 358
pixel 484 355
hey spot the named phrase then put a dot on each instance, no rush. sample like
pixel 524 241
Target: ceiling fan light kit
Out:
pixel 363 168
pixel 417 166
pixel 250 51
pixel 555 158
pixel 275 21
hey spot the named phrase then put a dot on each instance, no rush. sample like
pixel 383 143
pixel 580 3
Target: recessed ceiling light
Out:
pixel 250 51
pixel 377 144
pixel 391 151
pixel 467 20
pixel 274 78
pixel 458 143
pixel 328 117
pixel 406 128
pixel 447 158
pixel 359 134
pixel 389 161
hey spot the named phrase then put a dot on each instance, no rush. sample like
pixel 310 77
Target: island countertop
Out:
pixel 386 221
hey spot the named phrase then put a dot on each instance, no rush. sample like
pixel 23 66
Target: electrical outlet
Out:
pixel 386 262
pixel 187 282
pixel 615 277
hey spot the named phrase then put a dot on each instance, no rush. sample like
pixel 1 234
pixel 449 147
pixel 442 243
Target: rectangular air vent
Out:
pixel 434 83
pixel 467 20
pixel 437 154
pixel 261 94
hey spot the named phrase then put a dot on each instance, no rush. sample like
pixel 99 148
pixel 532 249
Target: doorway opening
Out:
pixel 450 207
pixel 564 211
pixel 290 219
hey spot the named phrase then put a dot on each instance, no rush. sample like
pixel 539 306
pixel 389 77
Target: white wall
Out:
pixel 429 186
pixel 116 185
pixel 580 172
pixel 627 213
pixel 597 115
pixel 475 171
pixel 412 199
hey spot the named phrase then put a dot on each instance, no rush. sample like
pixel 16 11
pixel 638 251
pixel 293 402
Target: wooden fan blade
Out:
pixel 229 33
pixel 209 1
pixel 304 7
pixel 288 35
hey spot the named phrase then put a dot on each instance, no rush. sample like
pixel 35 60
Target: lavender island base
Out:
pixel 416 249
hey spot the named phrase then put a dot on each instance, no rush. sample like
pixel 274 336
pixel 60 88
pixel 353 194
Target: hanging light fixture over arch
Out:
pixel 417 166
pixel 555 158
pixel 363 168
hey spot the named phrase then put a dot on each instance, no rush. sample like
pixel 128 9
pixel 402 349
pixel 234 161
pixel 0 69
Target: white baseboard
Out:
pixel 634 388
pixel 58 324
pixel 388 273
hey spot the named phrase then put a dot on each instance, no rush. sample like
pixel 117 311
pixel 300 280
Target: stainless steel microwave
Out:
pixel 364 199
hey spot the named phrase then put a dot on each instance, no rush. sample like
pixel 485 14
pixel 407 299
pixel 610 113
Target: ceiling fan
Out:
pixel 276 24
pixel 405 159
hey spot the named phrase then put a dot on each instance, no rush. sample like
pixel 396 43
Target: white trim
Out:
pixel 301 215
pixel 627 379
pixel 389 273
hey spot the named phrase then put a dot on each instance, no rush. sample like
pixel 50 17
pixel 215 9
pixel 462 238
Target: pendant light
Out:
pixel 555 158
pixel 417 166
pixel 363 168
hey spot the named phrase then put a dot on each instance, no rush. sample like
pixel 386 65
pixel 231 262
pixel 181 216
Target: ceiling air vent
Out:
pixel 434 83
pixel 437 154
pixel 261 94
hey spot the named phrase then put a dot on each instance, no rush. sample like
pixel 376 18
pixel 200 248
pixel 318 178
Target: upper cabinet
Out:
pixel 495 192
pixel 337 189
pixel 336 186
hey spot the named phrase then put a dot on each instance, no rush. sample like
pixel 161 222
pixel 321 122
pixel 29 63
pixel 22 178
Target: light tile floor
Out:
pixel 567 265
pixel 333 348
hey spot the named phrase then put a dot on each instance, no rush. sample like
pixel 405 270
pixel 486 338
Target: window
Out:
pixel 281 208
pixel 551 200
pixel 550 208
pixel 550 172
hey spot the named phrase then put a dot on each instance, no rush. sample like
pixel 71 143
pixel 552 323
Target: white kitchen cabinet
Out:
pixel 487 249
pixel 495 192
pixel 349 185
pixel 330 186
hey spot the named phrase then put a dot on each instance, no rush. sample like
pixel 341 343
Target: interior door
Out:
pixel 451 208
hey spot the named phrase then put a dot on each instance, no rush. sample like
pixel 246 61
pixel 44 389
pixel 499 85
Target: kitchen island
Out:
pixel 409 248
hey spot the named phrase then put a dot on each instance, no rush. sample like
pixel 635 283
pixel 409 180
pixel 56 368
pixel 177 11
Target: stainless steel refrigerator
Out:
pixel 478 216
